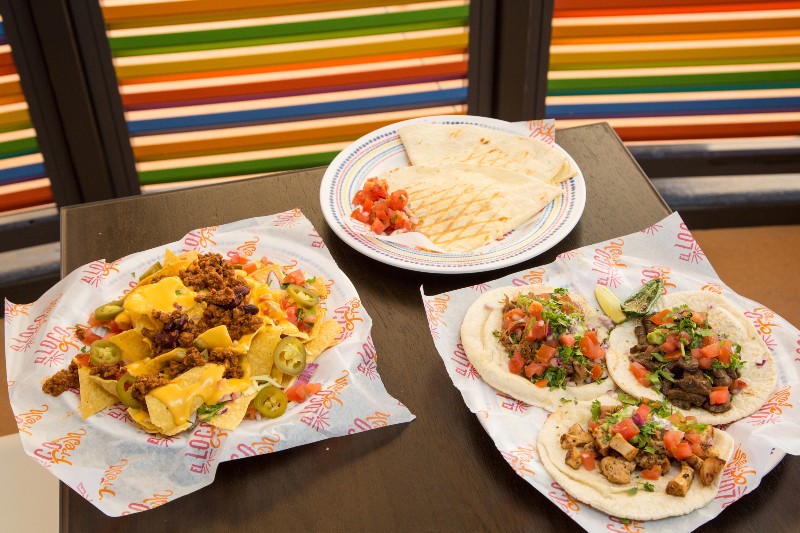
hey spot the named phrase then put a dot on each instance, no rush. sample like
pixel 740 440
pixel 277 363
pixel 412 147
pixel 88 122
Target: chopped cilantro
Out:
pixel 633 490
pixel 560 290
pixel 595 409
pixel 206 412
pixel 311 280
pixel 648 487
pixel 555 376
pixel 627 399
pixel 496 334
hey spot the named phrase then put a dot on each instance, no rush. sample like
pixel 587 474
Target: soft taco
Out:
pixel 538 344
pixel 640 462
pixel 699 352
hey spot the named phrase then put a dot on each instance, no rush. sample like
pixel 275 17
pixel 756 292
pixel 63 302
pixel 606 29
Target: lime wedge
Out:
pixel 609 303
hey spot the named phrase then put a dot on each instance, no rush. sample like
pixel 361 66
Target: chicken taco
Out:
pixel 698 352
pixel 631 460
pixel 538 344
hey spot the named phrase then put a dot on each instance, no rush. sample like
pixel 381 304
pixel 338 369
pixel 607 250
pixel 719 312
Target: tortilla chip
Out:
pixel 170 257
pixel 94 398
pixel 260 356
pixel 216 337
pixel 162 418
pixel 142 419
pixel 234 413
pixel 262 275
pixel 133 344
pixel 154 365
pixel 324 339
pixel 108 385
pixel 319 287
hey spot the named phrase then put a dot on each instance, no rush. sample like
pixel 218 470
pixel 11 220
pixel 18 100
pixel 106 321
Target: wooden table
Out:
pixel 440 472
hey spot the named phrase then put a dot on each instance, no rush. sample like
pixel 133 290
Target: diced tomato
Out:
pixel 681 451
pixel 82 359
pixel 295 277
pixel 719 395
pixel 669 345
pixel 90 336
pixel 516 363
pixel 401 221
pixel 699 318
pixel 705 362
pixel 690 420
pixel 652 473
pixel 738 385
pixel 685 338
pixel 673 356
pixel 296 393
pixel 696 353
pixel 537 331
pixel 590 347
pixel 360 215
pixel 676 419
pixel 249 267
pixel 513 317
pixel 542 383
pixel 643 411
pixel 291 314
pixel 567 340
pixel 626 428
pixel 593 424
pixel 398 199
pixel 535 369
pixel 725 351
pixel 662 318
pixel 597 372
pixel 545 353
pixel 235 259
pixel 692 437
pixel 672 438
pixel 378 226
pixel 535 309
pixel 640 372
pixel 588 461
pixel 552 343
pixel 710 339
pixel 313 388
pixel 711 351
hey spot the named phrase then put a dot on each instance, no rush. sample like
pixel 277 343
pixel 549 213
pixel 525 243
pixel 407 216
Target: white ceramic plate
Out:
pixel 382 150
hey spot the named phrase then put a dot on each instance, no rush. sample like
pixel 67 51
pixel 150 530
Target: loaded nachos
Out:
pixel 202 338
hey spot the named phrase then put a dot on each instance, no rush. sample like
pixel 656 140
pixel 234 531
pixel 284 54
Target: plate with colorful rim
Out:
pixel 382 150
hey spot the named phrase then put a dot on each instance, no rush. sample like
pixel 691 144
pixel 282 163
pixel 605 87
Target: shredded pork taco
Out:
pixel 697 351
pixel 202 338
pixel 632 460
pixel 538 344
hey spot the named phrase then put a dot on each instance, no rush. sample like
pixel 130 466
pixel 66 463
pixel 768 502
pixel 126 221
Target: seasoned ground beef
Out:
pixel 108 371
pixel 62 381
pixel 224 293
pixel 194 357
pixel 145 384
pixel 227 358
pixel 175 367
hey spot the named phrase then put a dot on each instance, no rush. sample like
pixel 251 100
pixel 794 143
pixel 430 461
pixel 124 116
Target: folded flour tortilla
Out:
pixel 594 489
pixel 461 207
pixel 431 144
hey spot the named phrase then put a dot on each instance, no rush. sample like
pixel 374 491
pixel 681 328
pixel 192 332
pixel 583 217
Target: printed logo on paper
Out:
pixel 533 277
pixel 316 411
pixel 27 338
pixel 156 500
pixel 107 482
pixel 27 419
pixel 161 440
pixel 264 446
pixel 606 263
pixel 658 271
pixel 520 459
pixel 289 219
pixel 618 525
pixel 652 230
pixel 480 287
pixel 15 310
pixel 543 130
pixel 368 365
pixel 52 350
pixel 435 308
pixel 247 249
pixel 200 239
pixel 771 411
pixel 512 404
pixel 96 272
pixel 59 451
pixel 569 255
pixel 316 240
pixel 711 286
pixel 377 420
pixel 204 444
pixel 690 250
pixel 347 315
pixel 764 321
pixel 734 478
pixel 560 497
pixel 462 365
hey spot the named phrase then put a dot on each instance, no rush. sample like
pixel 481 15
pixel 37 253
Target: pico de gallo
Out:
pixel 382 211
pixel 548 342
pixel 643 438
pixel 678 353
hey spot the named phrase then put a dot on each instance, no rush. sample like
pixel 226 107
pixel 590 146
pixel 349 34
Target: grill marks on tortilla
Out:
pixel 446 207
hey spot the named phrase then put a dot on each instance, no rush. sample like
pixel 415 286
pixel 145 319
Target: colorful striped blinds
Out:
pixel 23 181
pixel 664 70
pixel 242 87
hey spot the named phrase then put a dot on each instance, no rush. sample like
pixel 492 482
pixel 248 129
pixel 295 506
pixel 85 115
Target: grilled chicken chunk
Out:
pixel 617 470
pixel 623 447
pixel 576 436
pixel 679 486
pixel 573 458
pixel 710 469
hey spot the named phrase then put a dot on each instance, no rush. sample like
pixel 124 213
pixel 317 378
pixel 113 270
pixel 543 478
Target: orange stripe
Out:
pixel 297 66
pixel 29 198
pixel 706 131
pixel 648 37
pixel 445 70
pixel 622 8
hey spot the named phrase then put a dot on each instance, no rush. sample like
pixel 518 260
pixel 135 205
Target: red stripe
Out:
pixel 706 131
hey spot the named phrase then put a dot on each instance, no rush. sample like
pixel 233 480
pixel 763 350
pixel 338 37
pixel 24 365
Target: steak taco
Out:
pixel 697 351
pixel 538 344
pixel 641 462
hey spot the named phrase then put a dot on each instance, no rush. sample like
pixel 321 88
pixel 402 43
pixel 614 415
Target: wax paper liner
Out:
pixel 668 250
pixel 122 470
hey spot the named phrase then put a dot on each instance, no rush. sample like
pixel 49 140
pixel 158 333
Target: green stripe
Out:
pixel 727 81
pixel 290 32
pixel 241 168
pixel 680 63
pixel 19 147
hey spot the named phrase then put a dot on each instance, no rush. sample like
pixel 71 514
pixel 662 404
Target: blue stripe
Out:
pixel 22 173
pixel 691 107
pixel 297 112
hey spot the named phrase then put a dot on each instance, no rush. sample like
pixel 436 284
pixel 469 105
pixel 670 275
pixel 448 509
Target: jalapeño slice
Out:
pixel 103 351
pixel 108 311
pixel 290 356
pixel 639 303
pixel 271 401
pixel 302 296
pixel 125 391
